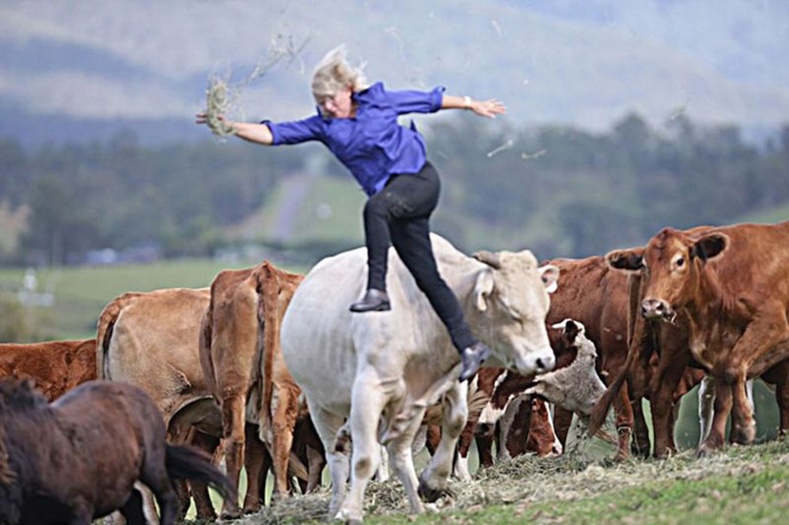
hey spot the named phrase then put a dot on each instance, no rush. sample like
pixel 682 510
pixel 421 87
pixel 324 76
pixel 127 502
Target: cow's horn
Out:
pixel 489 258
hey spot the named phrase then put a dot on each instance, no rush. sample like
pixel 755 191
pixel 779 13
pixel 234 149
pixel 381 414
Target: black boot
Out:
pixel 472 358
pixel 373 301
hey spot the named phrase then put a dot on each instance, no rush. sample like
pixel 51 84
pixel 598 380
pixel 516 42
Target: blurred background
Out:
pixel 623 118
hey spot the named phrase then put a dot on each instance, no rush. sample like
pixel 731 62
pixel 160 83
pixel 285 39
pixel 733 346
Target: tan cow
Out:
pixel 730 285
pixel 150 339
pixel 54 366
pixel 242 362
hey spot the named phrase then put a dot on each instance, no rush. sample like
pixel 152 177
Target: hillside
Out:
pixel 80 74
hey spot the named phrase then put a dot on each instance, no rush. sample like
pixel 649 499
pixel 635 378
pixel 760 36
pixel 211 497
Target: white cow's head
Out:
pixel 510 304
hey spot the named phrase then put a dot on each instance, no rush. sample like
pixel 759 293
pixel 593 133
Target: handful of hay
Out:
pixel 220 97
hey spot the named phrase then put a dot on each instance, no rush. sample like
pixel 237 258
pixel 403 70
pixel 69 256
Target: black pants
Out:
pixel 400 215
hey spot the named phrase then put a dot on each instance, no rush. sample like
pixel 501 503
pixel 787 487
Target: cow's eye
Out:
pixel 680 262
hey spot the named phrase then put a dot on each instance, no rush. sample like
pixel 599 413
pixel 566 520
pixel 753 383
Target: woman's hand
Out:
pixel 487 108
pixel 218 124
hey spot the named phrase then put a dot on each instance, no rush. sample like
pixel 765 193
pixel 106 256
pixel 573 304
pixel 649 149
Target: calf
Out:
pixel 575 387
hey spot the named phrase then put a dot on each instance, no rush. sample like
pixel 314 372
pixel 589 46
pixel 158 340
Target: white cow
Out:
pixel 382 369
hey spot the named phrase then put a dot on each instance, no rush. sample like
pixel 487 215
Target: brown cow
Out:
pixel 54 366
pixel 597 297
pixel 730 285
pixel 242 362
pixel 601 298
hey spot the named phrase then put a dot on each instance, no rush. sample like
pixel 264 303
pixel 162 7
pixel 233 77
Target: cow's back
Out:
pixel 55 366
pixel 153 343
pixel 596 296
pixel 754 266
pixel 322 339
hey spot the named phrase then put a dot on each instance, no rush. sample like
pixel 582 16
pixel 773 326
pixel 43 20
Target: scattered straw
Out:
pixel 222 97
pixel 528 479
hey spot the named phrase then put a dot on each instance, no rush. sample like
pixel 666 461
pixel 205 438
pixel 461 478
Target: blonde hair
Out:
pixel 333 74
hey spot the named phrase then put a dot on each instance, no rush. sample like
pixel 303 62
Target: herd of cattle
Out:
pixel 269 371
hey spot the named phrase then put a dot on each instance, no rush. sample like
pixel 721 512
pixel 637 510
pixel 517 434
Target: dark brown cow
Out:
pixel 54 366
pixel 731 286
pixel 596 296
pixel 78 458
pixel 242 362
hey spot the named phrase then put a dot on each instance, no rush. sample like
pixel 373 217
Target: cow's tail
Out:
pixel 185 462
pixel 106 324
pixel 634 334
pixel 205 338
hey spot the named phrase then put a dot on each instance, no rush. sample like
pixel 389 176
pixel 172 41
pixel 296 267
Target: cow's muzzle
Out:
pixel 656 309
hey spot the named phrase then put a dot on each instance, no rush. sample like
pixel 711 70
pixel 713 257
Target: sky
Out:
pixel 583 62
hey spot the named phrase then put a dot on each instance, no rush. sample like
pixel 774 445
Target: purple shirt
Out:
pixel 372 145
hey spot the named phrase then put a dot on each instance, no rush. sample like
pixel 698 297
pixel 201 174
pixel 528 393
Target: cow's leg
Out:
pixel 433 438
pixel 782 397
pixel 706 406
pixel 433 480
pixel 484 443
pixel 368 400
pixel 316 461
pixel 764 344
pixel 562 419
pixel 623 412
pixel 337 456
pixel 402 460
pixel 505 426
pixel 460 469
pixel 743 425
pixel 233 428
pixel 778 375
pixel 663 386
pixel 284 421
pixel 255 462
pixel 132 509
pixel 641 443
pixel 723 404
pixel 204 507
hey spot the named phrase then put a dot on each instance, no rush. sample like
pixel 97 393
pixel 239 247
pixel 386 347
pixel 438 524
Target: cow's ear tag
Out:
pixel 483 288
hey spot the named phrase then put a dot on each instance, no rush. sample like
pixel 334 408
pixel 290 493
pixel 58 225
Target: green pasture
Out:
pixel 80 293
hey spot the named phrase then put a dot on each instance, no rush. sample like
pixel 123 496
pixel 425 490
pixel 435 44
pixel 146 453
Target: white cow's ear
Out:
pixel 483 288
pixel 550 277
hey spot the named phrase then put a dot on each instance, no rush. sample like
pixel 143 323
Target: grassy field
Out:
pixel 742 485
pixel 80 293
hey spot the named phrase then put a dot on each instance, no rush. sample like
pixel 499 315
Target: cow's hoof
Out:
pixel 341 517
pixel 430 494
pixel 229 515
pixel 622 456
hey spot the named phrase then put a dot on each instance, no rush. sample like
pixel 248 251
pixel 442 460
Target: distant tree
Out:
pixel 60 221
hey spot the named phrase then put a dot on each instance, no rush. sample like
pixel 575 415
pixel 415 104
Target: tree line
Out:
pixel 557 190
